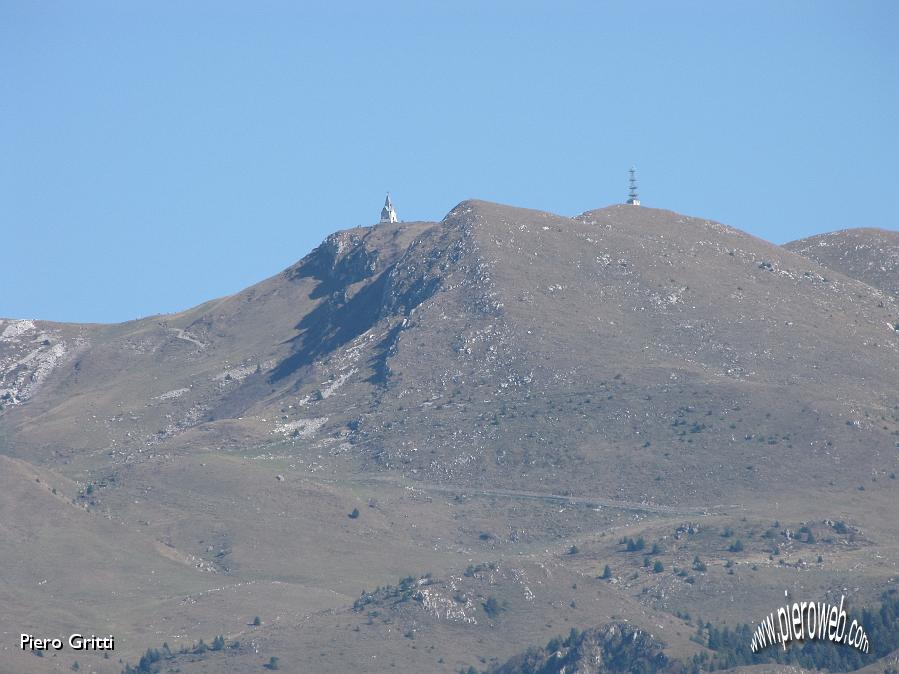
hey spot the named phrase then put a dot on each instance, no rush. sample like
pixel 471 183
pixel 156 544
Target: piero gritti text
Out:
pixel 75 642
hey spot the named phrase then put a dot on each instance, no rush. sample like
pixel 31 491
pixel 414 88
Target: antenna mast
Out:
pixel 632 198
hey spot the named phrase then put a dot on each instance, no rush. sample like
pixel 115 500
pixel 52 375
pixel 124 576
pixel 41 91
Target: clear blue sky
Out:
pixel 155 154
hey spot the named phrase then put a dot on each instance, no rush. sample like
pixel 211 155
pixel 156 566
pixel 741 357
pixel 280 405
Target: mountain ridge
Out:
pixel 494 299
pixel 515 413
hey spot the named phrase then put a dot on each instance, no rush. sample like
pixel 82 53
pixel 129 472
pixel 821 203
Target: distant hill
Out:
pixel 867 254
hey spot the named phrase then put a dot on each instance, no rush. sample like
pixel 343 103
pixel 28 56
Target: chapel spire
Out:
pixel 388 213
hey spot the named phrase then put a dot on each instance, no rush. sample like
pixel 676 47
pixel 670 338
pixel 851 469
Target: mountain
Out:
pixel 506 387
pixel 867 254
pixel 502 346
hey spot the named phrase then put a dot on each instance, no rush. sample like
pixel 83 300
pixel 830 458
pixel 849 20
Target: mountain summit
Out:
pixel 441 429
pixel 503 346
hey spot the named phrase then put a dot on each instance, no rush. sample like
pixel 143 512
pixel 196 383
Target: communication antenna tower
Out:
pixel 632 198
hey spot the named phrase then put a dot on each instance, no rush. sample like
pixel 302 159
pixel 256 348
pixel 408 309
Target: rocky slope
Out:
pixel 613 648
pixel 867 254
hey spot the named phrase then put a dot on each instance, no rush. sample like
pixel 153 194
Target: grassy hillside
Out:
pixel 425 443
